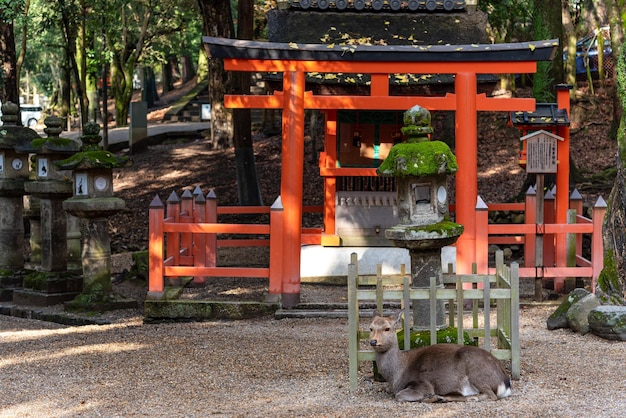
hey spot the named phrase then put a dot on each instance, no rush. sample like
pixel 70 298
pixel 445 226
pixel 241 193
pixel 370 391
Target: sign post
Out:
pixel 541 158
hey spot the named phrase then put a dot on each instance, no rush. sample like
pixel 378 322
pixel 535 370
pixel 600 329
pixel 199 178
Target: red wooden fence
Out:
pixel 184 240
pixel 525 234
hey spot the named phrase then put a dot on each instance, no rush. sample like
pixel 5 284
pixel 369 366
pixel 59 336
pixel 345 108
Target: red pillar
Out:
pixel 330 183
pixel 466 151
pixel 562 180
pixel 291 183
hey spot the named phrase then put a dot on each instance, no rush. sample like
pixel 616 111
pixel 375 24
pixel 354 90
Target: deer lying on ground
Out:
pixel 438 373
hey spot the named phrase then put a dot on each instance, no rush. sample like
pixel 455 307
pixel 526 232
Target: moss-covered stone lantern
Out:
pixel 13 174
pixel 52 283
pixel 421 168
pixel 93 202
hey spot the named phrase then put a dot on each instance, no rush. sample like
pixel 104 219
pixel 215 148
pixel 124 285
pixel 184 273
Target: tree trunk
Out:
pixel 247 180
pixel 8 83
pixel 548 15
pixel 218 21
pixel 569 40
pixel 149 93
pixel 187 70
pixel 612 281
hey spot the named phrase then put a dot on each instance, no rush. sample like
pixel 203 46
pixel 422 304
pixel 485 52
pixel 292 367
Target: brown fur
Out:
pixel 441 372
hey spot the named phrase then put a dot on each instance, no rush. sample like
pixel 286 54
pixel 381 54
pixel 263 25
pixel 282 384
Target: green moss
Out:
pixel 444 336
pixel 419 159
pixel 608 281
pixel 36 280
pixel 139 269
pixel 92 159
pixel 56 141
pixel 445 228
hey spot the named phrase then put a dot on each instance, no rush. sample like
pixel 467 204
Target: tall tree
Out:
pixel 247 181
pixel 134 29
pixel 230 128
pixel 218 21
pixel 547 13
pixel 8 70
pixel 612 280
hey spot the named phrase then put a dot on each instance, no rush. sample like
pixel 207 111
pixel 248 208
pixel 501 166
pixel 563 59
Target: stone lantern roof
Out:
pixel 418 156
pixel 12 135
pixel 91 155
pixel 53 143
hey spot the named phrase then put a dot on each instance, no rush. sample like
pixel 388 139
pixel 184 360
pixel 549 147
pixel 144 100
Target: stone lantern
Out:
pixel 13 174
pixel 52 283
pixel 93 202
pixel 421 168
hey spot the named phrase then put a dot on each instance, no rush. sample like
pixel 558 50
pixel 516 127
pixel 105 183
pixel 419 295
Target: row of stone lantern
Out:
pixel 66 181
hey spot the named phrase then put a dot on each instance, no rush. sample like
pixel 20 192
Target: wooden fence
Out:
pixel 502 287
pixel 184 237
pixel 525 234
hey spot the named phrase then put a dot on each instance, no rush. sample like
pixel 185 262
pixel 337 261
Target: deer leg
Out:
pixel 461 398
pixel 417 392
pixel 486 392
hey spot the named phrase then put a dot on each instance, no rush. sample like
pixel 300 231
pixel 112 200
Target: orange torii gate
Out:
pixel 464 62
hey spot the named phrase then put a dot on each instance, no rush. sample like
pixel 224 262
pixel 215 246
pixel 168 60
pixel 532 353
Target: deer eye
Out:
pixel 387 329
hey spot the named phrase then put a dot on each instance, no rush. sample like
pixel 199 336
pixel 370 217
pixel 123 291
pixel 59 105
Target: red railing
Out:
pixel 183 240
pixel 525 234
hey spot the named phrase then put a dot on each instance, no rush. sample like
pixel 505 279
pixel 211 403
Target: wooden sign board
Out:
pixel 541 152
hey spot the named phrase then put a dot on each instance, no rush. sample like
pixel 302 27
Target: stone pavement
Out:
pixel 119 137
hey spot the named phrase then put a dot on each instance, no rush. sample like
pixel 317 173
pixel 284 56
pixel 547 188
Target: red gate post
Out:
pixel 211 239
pixel 562 183
pixel 530 218
pixel 597 248
pixel 466 176
pixel 276 247
pixel 186 213
pixel 155 249
pixel 173 238
pixel 482 239
pixel 549 240
pixel 291 183
pixel 330 183
pixel 199 240
pixel 576 203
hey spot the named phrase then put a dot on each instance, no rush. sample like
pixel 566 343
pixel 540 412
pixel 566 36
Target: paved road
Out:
pixel 120 136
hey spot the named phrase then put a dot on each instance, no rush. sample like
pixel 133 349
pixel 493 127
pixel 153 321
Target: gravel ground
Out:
pixel 268 367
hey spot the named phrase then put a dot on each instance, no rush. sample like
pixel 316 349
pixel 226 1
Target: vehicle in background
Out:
pixel 587 53
pixel 30 114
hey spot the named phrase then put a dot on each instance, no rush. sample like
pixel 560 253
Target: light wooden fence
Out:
pixel 501 288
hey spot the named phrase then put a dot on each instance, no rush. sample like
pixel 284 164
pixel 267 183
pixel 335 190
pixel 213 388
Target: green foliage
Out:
pixel 447 335
pixel 508 19
pixel 10 9
pixel 172 27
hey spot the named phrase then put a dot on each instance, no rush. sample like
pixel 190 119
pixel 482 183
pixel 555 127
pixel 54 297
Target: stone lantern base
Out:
pixel 43 288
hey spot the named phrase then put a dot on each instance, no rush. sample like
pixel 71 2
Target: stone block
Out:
pixel 558 319
pixel 578 313
pixel 608 321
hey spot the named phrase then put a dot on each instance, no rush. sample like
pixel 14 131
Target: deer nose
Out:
pixel 373 343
